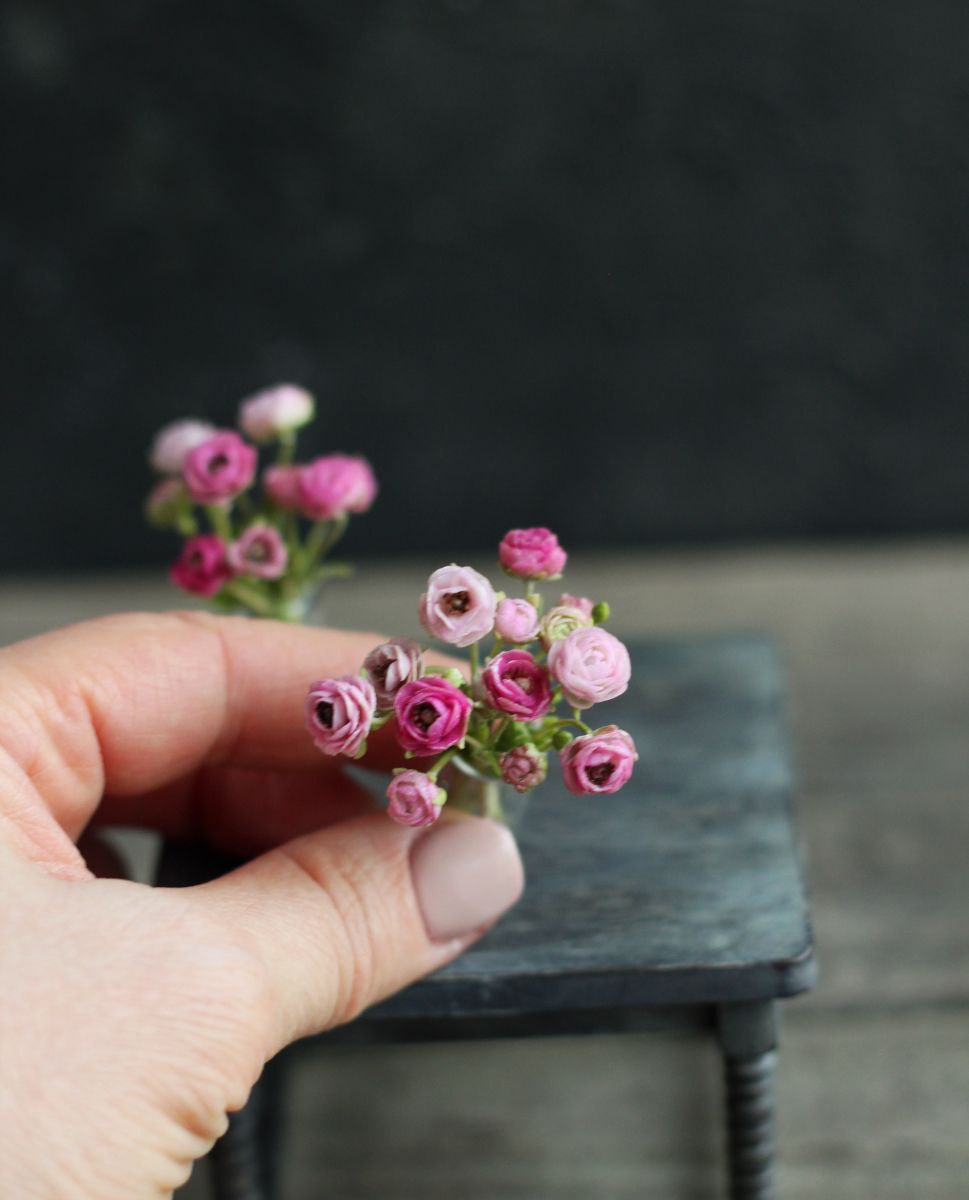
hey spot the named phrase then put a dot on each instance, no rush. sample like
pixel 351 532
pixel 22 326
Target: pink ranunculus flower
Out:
pixel 274 411
pixel 173 442
pixel 560 621
pixel 390 665
pixel 432 715
pixel 516 620
pixel 590 665
pixel 161 506
pixel 218 469
pixel 532 553
pixel 516 684
pixel 259 551
pixel 598 763
pixel 202 567
pixel 415 799
pixel 282 485
pixel 339 713
pixel 582 603
pixel 334 485
pixel 524 767
pixel 458 606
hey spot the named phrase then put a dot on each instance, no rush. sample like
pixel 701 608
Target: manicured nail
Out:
pixel 467 872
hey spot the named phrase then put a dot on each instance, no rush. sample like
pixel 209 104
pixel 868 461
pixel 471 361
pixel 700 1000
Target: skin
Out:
pixel 133 1018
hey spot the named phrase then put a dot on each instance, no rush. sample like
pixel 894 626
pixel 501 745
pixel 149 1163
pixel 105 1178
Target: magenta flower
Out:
pixel 173 443
pixel 390 665
pixel 598 763
pixel 275 411
pixel 590 665
pixel 458 606
pixel 516 620
pixel 532 554
pixel 335 485
pixel 282 486
pixel 432 715
pixel 516 684
pixel 202 567
pixel 582 603
pixel 259 551
pixel 415 798
pixel 219 468
pixel 339 713
pixel 524 767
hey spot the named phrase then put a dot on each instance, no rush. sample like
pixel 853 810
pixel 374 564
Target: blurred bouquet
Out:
pixel 262 552
pixel 501 721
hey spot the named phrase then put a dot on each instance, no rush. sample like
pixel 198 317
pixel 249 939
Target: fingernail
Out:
pixel 466 873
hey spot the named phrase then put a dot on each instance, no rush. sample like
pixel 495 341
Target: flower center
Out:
pixel 600 773
pixel 324 714
pixel 424 716
pixel 258 552
pixel 457 602
pixel 217 462
pixel 525 682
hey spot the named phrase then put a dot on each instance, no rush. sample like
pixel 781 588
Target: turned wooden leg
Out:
pixel 748 1040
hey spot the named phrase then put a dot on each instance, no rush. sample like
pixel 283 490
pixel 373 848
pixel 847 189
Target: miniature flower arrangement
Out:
pixel 501 721
pixel 262 554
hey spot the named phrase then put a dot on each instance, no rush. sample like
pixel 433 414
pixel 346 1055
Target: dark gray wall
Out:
pixel 642 271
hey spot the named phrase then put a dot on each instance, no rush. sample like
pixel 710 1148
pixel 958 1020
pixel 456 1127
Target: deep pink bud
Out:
pixel 390 665
pixel 339 713
pixel 174 441
pixel 458 606
pixel 591 665
pixel 282 485
pixel 532 553
pixel 524 767
pixel 516 620
pixel 415 799
pixel 516 684
pixel 219 469
pixel 335 485
pixel 598 763
pixel 202 568
pixel 275 410
pixel 259 551
pixel 432 715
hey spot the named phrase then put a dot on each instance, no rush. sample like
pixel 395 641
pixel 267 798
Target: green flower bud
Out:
pixel 601 613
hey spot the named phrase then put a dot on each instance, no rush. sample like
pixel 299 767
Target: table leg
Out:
pixel 748 1039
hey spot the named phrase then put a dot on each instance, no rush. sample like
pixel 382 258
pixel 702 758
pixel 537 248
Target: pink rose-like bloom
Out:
pixel 282 485
pixel 598 763
pixel 415 799
pixel 339 713
pixel 390 665
pixel 591 665
pixel 260 551
pixel 516 620
pixel 532 553
pixel 524 767
pixel 173 443
pixel 516 684
pixel 458 606
pixel 219 469
pixel 432 715
pixel 582 603
pixel 202 567
pixel 336 484
pixel 275 410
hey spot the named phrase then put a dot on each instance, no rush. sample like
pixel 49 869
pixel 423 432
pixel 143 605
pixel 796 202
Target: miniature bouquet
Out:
pixel 501 721
pixel 262 554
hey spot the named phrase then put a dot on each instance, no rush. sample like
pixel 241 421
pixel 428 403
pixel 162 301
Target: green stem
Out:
pixel 253 599
pixel 287 448
pixel 219 520
pixel 473 658
pixel 441 762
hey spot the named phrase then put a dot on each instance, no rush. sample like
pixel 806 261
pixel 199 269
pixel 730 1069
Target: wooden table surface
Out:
pixel 875 1061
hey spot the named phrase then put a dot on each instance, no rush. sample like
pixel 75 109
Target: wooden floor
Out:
pixel 874 1065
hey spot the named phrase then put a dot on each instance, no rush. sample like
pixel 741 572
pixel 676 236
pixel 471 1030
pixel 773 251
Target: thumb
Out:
pixel 341 918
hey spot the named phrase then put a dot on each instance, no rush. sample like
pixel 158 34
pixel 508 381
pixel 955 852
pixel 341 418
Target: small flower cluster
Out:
pixel 255 554
pixel 501 721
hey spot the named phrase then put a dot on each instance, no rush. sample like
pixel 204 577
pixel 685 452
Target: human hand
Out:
pixel 134 1018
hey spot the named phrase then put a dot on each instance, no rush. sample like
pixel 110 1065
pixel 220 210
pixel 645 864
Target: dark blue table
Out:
pixel 679 903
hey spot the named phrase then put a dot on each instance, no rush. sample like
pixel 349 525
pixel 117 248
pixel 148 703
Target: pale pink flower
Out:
pixel 202 567
pixel 524 767
pixel 582 603
pixel 516 620
pixel 415 799
pixel 218 469
pixel 516 684
pixel 458 606
pixel 339 713
pixel 560 621
pixel 390 665
pixel 282 485
pixel 432 715
pixel 590 665
pixel 259 551
pixel 174 441
pixel 598 763
pixel 334 485
pixel 274 411
pixel 532 553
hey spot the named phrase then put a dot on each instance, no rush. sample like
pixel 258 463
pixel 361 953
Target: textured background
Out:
pixel 644 272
